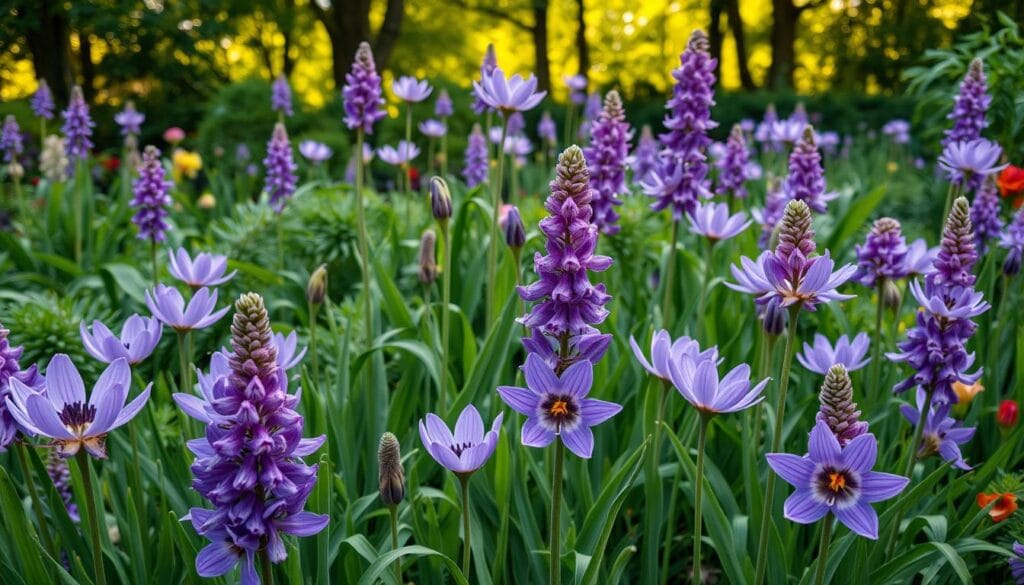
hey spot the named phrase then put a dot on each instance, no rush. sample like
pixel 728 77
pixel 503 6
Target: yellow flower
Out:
pixel 186 164
pixel 892 167
pixel 207 201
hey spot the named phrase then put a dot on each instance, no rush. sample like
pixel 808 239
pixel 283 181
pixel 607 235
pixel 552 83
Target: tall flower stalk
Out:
pixel 78 142
pixel 441 209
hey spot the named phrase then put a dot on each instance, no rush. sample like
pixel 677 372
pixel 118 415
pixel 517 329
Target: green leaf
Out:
pixel 26 543
pixel 384 562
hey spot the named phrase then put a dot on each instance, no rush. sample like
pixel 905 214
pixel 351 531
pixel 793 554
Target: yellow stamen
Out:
pixel 836 481
pixel 560 407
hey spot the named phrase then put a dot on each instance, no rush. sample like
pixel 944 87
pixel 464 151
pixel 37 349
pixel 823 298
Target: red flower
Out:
pixel 1007 414
pixel 1011 184
pixel 1005 506
pixel 111 164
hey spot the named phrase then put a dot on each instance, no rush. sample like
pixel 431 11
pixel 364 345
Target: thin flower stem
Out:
pixel 446 299
pixel 704 290
pixel 152 258
pixel 394 541
pixel 183 373
pixel 444 152
pixel 823 546
pixel 314 309
pixel 280 240
pixel 776 445
pixel 364 253
pixel 876 343
pixel 37 505
pixel 670 274
pixel 908 467
pixel 85 467
pixel 492 250
pixel 698 492
pixel 464 480
pixel 77 209
pixel 556 509
pixel 266 568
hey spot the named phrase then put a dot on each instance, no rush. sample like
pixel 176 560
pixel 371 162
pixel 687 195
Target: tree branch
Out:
pixel 496 13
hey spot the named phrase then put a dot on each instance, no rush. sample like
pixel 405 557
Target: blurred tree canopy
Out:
pixel 176 54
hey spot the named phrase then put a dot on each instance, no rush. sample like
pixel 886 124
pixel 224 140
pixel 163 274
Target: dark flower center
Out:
pixel 560 412
pixel 77 416
pixel 458 448
pixel 836 487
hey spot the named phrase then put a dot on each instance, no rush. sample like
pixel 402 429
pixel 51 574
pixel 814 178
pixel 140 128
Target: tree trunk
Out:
pixel 387 36
pixel 287 31
pixel 540 44
pixel 347 23
pixel 88 68
pixel 582 48
pixel 732 8
pixel 715 36
pixel 50 46
pixel 784 19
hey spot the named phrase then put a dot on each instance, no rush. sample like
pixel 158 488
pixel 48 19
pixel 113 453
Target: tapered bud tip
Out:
pixel 892 298
pixel 699 41
pixel 976 68
pixel 391 476
pixel 515 233
pixel 440 199
pixel 316 289
pixel 774 321
pixel 808 135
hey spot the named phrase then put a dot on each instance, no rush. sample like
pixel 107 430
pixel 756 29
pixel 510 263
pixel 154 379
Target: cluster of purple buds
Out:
pixel 281 96
pixel 763 132
pixel 733 167
pixel 490 63
pixel 248 464
pixel 770 215
pixel 985 215
pixel 443 107
pixel 838 410
pixel 130 120
pixel 806 180
pixel 151 197
pixel 11 369
pixel 477 161
pixel 11 143
pixel 77 127
pixel 42 101
pixel 644 159
pixel 970 106
pixel 280 169
pixel 883 259
pixel 897 130
pixel 362 92
pixel 1013 241
pixel 606 158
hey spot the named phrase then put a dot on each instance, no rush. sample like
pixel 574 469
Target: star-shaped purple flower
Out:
pixel 411 90
pixel 820 357
pixel 167 304
pixel 665 350
pixel 712 220
pixel 942 434
pixel 697 381
pixel 507 95
pixel 465 450
pixel 139 337
pixel 204 270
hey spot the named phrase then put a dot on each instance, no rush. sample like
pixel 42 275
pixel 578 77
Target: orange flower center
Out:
pixel 560 407
pixel 836 481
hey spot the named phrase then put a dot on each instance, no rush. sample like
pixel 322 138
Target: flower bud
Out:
pixel 428 263
pixel 1011 266
pixel 1008 414
pixel 774 319
pixel 891 298
pixel 440 199
pixel 515 233
pixel 317 287
pixel 391 476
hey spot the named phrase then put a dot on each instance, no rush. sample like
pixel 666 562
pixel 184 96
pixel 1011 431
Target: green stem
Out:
pixel 183 373
pixel 80 172
pixel 670 274
pixel 876 344
pixel 314 308
pixel 704 290
pixel 444 152
pixel 280 240
pixel 446 297
pixel 85 467
pixel 556 509
pixel 266 568
pixel 492 250
pixel 776 445
pixel 826 539
pixel 37 504
pixel 394 541
pixel 364 252
pixel 464 479
pixel 698 495
pixel 908 467
pixel 152 258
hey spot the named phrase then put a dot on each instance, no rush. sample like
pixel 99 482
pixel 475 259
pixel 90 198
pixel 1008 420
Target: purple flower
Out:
pixel 734 165
pixel 10 369
pixel 1017 563
pixel 42 101
pixel 516 124
pixel 763 133
pixel 942 434
pixel 167 304
pixel 665 351
pixel 557 406
pixel 477 162
pixel 577 85
pixel 508 95
pixel 489 64
pixel 774 206
pixel 287 355
pixel 822 356
pixel 968 163
pixel 970 105
pixel 139 337
pixel 411 90
pixel 838 410
pixel 590 112
pixel 403 155
pixel 897 130
pixel 130 120
pixel 589 346
pixel 315 152
pixel 985 215
pixel 546 130
pixel 10 140
pixel 697 381
pixel 432 128
pixel 281 96
pixel 883 255
pixel 644 159
pixel 519 147
pixel 957 255
pixel 248 464
pixel 1013 241
pixel 362 92
pixel 443 107
pixel 568 303
pixel 785 132
pixel 204 270
pixel 61 412
pixel 835 479
pixel 77 127
pixel 606 157
pixel 806 180
pixel 151 197
pixel 465 450
pixel 280 178
pixel 712 220
pixel 919 258
pixel 515 232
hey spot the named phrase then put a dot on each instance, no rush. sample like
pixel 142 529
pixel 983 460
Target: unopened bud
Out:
pixel 316 289
pixel 391 476
pixel 891 297
pixel 515 233
pixel 440 199
pixel 774 320
pixel 1011 266
pixel 428 262
pixel 1008 414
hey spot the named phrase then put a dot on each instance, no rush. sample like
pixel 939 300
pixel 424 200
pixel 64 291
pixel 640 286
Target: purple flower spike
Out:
pixel 577 85
pixel 883 255
pixel 411 90
pixel 838 410
pixel 130 120
pixel 970 105
pixel 10 139
pixel 734 167
pixel 806 181
pixel 968 163
pixel 712 220
pixel 61 412
pixel 836 479
pixel 280 176
pixel 139 337
pixel 508 95
pixel 465 450
pixel 42 101
pixel 985 215
pixel 606 158
pixel 1013 241
pixel 167 304
pixel 10 369
pixel 204 270
pixel 820 357
pixel 315 152
pixel 546 130
pixel 60 474
pixel 281 96
pixel 665 351
pixel 1017 563
pixel 957 255
pixel 151 197
pixel 588 347
pixel 362 92
pixel 443 107
pixel 557 406
pixel 490 62
pixel 942 434
pixel 475 171
pixel 77 127
pixel 644 159
pixel 697 381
